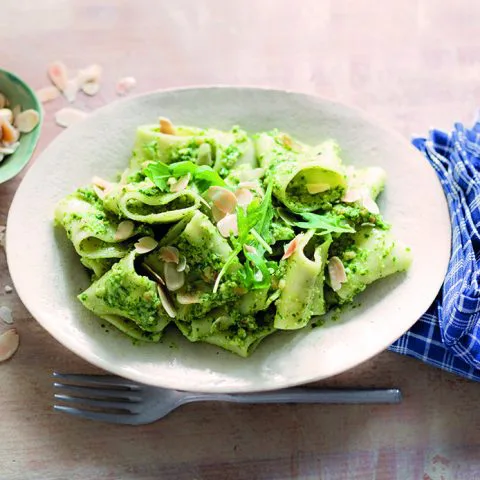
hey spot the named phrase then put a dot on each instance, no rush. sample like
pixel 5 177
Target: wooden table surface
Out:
pixel 412 63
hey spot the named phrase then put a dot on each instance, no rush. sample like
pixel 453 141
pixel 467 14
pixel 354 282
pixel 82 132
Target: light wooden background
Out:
pixel 412 63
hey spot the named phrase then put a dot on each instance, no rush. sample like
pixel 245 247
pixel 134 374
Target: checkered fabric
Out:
pixel 448 335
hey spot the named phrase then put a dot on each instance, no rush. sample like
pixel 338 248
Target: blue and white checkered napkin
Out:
pixel 448 335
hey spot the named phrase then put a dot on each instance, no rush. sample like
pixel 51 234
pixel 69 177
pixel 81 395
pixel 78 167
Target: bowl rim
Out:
pixel 36 131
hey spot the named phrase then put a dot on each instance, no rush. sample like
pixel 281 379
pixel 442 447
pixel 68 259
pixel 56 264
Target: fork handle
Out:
pixel 309 395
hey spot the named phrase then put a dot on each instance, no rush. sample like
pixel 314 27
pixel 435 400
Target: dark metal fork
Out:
pixel 117 400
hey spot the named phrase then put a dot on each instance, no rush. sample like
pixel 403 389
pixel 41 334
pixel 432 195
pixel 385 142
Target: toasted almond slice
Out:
pixel 3 100
pixel 173 279
pixel 6 315
pixel 10 134
pixel 169 254
pixel 166 303
pixel 249 185
pixel 101 183
pixel 71 89
pixel 228 225
pixel 90 88
pixel 124 230
pixel 291 247
pixel 47 94
pixel 57 72
pixel 125 84
pixel 153 273
pixel 90 74
pixel 244 196
pixel 182 263
pixel 368 203
pixel 188 298
pixel 27 120
pixel 69 116
pixel 352 195
pixel 166 126
pixel 181 184
pixel 99 191
pixel 6 114
pixel 145 245
pixel 217 214
pixel 250 248
pixel 223 199
pixel 336 272
pixel 314 188
pixel 10 149
pixel 9 341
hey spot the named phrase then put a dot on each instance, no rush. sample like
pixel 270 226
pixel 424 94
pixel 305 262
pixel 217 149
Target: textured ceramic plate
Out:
pixel 19 93
pixel 48 275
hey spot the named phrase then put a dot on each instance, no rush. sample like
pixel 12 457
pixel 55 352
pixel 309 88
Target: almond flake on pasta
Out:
pixel 244 196
pixel 166 126
pixel 169 254
pixel 228 225
pixel 174 280
pixel 188 298
pixel 124 230
pixel 145 245
pixel 166 303
pixel 336 272
pixel 90 88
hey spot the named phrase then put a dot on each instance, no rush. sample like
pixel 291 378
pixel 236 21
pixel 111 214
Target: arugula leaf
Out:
pixel 206 177
pixel 326 223
pixel 158 173
pixel 179 169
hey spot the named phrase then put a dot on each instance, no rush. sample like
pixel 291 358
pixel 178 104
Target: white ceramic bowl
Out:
pixel 48 275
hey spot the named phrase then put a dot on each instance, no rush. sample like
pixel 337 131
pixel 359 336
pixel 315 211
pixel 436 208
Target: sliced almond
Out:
pixel 166 303
pixel 291 247
pixel 8 289
pixel 336 272
pixel 223 199
pixel 169 254
pixel 71 89
pixel 228 225
pixel 69 116
pixel 250 248
pixel 6 114
pixel 3 100
pixel 90 74
pixel 16 110
pixel 27 120
pixel 125 84
pixel 153 273
pixel 90 88
pixel 368 203
pixel 124 230
pixel 244 196
pixel 181 184
pixel 182 263
pixel 145 245
pixel 9 341
pixel 99 191
pixel 57 72
pixel 314 188
pixel 6 315
pixel 352 195
pixel 174 280
pixel 10 134
pixel 10 149
pixel 166 126
pixel 47 94
pixel 217 214
pixel 101 183
pixel 188 298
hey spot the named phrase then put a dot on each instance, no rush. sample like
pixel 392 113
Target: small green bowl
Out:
pixel 19 93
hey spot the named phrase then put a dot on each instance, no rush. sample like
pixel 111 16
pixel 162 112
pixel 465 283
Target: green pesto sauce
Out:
pixel 299 197
pixel 136 207
pixel 131 293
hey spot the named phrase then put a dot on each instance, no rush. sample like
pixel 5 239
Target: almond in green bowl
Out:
pixel 20 123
